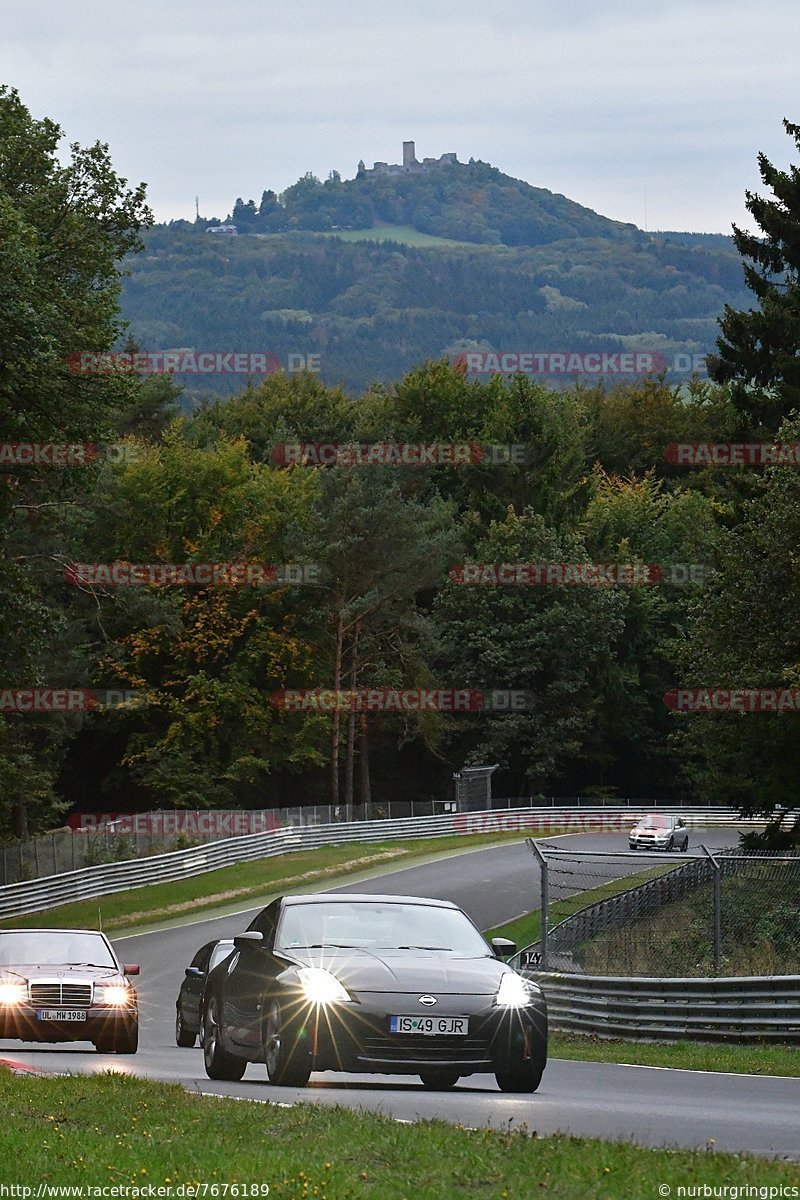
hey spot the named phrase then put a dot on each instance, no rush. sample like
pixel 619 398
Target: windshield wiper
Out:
pixel 321 946
pixel 413 948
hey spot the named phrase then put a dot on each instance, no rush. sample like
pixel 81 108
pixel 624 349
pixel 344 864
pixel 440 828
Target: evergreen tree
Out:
pixel 758 349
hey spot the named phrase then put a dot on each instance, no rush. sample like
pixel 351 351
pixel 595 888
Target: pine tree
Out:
pixel 759 350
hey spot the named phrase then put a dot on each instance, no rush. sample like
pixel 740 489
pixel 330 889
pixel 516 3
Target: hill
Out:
pixel 468 202
pixel 457 258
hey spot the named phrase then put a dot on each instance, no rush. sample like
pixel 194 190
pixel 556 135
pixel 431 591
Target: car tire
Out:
pixel 671 845
pixel 123 1039
pixel 183 1036
pixel 287 1065
pixel 218 1063
pixel 685 846
pixel 524 1077
pixel 439 1080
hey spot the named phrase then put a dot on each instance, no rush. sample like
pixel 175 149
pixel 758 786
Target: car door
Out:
pixel 249 973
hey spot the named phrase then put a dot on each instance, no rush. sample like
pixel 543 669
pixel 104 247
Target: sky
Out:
pixel 644 111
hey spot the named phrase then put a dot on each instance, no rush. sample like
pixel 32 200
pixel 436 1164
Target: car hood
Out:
pixel 364 971
pixel 62 971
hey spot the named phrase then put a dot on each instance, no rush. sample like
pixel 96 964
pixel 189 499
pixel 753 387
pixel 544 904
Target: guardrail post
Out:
pixel 717 910
pixel 544 898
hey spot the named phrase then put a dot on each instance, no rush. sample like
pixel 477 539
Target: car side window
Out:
pixel 265 923
pixel 200 959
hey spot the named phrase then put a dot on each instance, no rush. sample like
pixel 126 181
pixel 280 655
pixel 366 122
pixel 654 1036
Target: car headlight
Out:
pixel 116 994
pixel 321 987
pixel 13 993
pixel 514 991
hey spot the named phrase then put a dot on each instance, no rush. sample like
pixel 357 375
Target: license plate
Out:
pixel 431 1026
pixel 61 1014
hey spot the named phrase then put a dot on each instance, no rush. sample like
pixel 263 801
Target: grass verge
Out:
pixel 766 1059
pixel 121 1130
pixel 231 886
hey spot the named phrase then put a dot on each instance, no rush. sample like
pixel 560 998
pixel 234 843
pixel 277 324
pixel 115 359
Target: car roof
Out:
pixel 365 898
pixel 68 932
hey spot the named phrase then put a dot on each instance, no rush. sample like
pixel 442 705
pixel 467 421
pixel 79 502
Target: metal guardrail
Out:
pixel 40 894
pixel 757 1008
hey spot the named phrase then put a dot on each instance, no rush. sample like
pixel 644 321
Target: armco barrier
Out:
pixel 40 894
pixel 757 1008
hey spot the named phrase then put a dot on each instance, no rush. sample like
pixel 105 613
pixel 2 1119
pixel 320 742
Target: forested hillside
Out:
pixel 372 310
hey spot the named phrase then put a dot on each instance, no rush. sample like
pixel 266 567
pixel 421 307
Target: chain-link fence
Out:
pixel 718 912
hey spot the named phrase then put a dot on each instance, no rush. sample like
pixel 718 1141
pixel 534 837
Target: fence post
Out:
pixel 717 910
pixel 544 898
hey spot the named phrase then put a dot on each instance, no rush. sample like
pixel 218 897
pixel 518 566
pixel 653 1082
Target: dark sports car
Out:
pixel 66 985
pixel 187 1006
pixel 380 984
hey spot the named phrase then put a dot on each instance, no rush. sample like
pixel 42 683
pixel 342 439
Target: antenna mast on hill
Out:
pixel 197 207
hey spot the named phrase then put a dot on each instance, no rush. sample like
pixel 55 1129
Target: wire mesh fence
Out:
pixel 719 912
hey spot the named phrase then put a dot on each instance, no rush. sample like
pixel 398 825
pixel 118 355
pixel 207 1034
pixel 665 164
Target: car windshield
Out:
pixel 380 927
pixel 654 822
pixel 55 948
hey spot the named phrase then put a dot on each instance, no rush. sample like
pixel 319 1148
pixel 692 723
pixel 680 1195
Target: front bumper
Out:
pixel 22 1021
pixel 355 1037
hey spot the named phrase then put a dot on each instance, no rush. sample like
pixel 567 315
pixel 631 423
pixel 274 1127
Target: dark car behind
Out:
pixel 187 1006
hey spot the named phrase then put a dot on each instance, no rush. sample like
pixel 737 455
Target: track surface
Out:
pixel 646 1105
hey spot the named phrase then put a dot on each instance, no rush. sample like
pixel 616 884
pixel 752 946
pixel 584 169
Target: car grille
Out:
pixel 427 1049
pixel 58 995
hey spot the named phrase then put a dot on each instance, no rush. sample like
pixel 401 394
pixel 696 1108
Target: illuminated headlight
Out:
pixel 13 993
pixel 514 991
pixel 115 995
pixel 321 987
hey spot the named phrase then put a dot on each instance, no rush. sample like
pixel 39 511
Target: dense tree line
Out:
pixel 385 606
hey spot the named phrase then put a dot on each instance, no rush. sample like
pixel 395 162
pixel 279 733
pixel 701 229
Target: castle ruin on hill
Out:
pixel 409 166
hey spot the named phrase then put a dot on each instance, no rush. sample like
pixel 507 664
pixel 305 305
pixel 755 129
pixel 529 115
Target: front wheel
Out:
pixel 288 1064
pixel 218 1063
pixel 439 1080
pixel 183 1036
pixel 523 1077
pixel 685 846
pixel 122 1039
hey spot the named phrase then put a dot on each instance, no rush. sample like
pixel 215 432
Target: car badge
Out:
pixel 427 1000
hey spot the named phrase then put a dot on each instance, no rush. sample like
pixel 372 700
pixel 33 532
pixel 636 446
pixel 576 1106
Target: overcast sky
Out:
pixel 643 110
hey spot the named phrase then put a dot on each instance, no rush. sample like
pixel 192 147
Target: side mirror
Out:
pixel 249 940
pixel 130 968
pixel 503 948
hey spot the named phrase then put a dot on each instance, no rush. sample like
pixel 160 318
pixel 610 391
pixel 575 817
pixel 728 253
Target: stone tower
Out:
pixel 409 154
